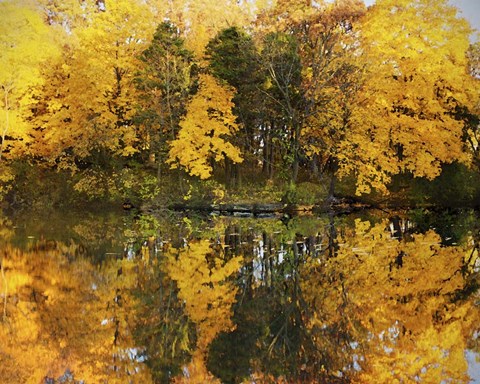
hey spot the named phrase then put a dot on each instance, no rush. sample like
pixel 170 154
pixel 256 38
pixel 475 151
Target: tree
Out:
pixel 472 117
pixel 164 82
pixel 417 78
pixel 200 20
pixel 204 130
pixel 304 83
pixel 284 96
pixel 233 57
pixel 25 43
pixel 89 107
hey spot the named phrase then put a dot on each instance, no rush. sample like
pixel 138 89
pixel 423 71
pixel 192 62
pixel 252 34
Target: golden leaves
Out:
pixel 201 20
pixel 204 130
pixel 415 52
pixel 26 43
pixel 89 100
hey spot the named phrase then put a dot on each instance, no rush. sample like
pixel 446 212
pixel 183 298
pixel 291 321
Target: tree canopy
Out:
pixel 289 89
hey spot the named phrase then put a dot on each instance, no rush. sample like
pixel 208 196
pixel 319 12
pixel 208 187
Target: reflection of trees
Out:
pixel 163 327
pixel 99 232
pixel 270 338
pixel 452 225
pixel 309 302
pixel 398 307
pixel 204 285
pixel 65 316
pixel 347 305
pixel 6 229
pixel 472 272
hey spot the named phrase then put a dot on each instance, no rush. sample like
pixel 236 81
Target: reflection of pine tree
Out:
pixel 163 327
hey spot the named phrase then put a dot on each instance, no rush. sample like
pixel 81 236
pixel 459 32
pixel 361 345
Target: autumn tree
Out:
pixel 418 77
pixel 471 117
pixel 26 43
pixel 90 103
pixel 304 85
pixel 201 20
pixel 285 100
pixel 206 129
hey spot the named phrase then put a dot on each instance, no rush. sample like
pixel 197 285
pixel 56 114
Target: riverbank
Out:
pixel 37 188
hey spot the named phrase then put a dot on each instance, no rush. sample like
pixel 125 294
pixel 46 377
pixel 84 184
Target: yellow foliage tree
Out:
pixel 201 20
pixel 310 80
pixel 89 102
pixel 415 52
pixel 26 42
pixel 205 129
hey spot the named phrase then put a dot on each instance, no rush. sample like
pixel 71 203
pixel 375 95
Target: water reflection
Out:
pixel 378 297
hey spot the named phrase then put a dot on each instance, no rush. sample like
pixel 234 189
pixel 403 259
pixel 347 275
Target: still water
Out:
pixel 125 297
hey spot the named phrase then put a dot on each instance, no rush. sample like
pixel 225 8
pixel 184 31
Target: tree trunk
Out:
pixel 295 168
pixel 331 188
pixel 332 168
pixel 7 121
pixel 296 149
pixel 314 167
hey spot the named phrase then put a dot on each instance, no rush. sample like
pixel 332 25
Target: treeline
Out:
pixel 127 95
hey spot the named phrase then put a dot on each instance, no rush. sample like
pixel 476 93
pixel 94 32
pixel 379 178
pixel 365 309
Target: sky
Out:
pixel 470 10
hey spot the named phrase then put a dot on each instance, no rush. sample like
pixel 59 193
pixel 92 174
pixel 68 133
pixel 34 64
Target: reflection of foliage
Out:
pixel 270 338
pixel 6 229
pixel 63 316
pixel 353 308
pixel 202 278
pixel 144 226
pixel 401 302
pixel 314 301
pixel 452 226
pixel 91 229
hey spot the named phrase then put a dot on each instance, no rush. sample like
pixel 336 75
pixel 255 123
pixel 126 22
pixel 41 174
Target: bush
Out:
pixel 305 193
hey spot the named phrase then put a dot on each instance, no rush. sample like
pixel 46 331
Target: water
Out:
pixel 126 297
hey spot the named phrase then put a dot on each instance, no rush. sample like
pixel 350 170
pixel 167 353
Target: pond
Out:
pixel 129 297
